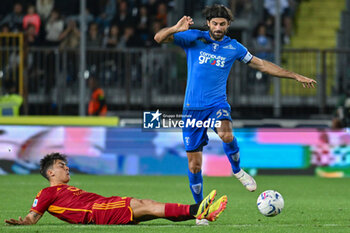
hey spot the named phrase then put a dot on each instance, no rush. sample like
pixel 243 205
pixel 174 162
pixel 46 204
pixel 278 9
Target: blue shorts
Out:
pixel 196 137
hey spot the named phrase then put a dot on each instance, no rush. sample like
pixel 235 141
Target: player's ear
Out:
pixel 50 173
pixel 208 23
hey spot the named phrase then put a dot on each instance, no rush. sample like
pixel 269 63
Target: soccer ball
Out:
pixel 270 203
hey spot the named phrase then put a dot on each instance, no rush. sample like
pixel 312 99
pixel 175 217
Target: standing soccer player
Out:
pixel 210 56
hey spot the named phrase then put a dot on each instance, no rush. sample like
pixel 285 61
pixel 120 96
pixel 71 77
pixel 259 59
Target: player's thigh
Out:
pixel 224 129
pixel 194 137
pixel 221 112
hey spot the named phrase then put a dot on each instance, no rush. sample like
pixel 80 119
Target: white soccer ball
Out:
pixel 270 203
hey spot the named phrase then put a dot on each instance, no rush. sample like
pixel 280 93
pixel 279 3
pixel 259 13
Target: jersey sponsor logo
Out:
pixel 212 59
pixel 229 47
pixel 35 203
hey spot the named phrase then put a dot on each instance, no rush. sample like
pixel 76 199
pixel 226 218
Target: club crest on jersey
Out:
pixel 215 47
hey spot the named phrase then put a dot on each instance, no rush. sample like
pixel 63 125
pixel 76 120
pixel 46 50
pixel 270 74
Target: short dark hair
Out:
pixel 218 11
pixel 48 161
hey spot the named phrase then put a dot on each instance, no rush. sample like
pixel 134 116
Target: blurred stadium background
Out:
pixel 46 58
pixel 50 48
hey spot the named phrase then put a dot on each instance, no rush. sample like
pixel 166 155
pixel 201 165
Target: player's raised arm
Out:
pixel 166 34
pixel 274 70
pixel 30 219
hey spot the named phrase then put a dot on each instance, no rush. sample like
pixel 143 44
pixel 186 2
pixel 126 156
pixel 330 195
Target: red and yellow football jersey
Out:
pixel 74 205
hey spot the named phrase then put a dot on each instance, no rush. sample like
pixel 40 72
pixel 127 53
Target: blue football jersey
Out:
pixel 208 66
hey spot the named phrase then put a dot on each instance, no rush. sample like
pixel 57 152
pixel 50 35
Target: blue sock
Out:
pixel 196 185
pixel 231 150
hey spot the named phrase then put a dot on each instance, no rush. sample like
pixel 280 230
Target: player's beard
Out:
pixel 217 35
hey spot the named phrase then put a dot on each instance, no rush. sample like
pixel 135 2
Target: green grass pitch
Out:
pixel 311 204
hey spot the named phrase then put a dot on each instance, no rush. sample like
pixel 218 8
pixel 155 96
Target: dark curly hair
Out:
pixel 218 11
pixel 48 161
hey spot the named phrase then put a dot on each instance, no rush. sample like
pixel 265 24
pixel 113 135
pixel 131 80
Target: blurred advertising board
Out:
pixel 131 151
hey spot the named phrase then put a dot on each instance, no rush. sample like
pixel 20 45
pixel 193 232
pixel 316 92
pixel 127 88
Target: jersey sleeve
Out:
pixel 243 54
pixel 185 38
pixel 42 201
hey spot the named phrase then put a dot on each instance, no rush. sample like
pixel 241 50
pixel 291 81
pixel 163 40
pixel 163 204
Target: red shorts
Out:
pixel 112 210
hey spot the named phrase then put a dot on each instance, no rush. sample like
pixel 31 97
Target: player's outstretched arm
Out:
pixel 274 70
pixel 166 34
pixel 30 219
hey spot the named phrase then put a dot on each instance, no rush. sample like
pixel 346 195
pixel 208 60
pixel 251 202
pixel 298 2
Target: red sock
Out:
pixel 177 212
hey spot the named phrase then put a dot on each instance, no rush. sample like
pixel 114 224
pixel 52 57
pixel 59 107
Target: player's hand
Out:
pixel 184 23
pixel 307 82
pixel 15 222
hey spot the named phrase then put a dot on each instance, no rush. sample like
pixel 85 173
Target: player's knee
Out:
pixel 195 167
pixel 147 204
pixel 226 137
pixel 151 204
pixel 149 207
pixel 195 163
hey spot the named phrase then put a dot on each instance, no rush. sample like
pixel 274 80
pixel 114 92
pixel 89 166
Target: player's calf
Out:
pixel 232 152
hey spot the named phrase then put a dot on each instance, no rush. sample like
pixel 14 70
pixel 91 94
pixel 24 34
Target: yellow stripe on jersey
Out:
pixel 108 206
pixel 38 195
pixel 60 210
pixel 132 214
pixel 96 206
